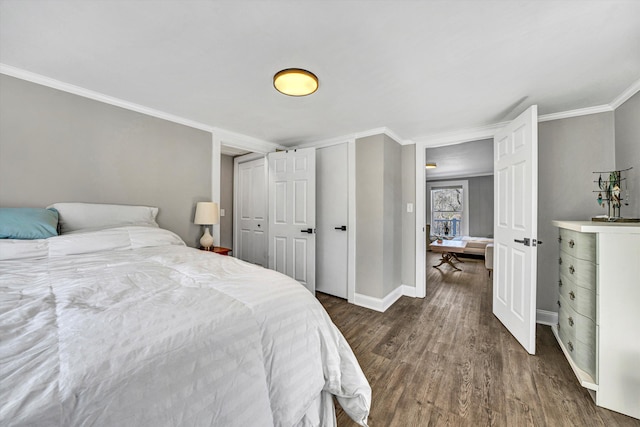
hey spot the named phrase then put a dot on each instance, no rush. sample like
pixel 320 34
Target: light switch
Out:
pixel 409 207
pixel 221 212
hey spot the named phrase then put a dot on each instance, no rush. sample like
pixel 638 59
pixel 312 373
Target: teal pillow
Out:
pixel 28 223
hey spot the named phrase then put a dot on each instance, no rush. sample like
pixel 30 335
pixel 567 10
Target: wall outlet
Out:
pixel 409 207
pixel 221 212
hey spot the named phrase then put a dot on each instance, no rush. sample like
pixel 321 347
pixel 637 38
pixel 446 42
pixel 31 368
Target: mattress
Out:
pixel 129 327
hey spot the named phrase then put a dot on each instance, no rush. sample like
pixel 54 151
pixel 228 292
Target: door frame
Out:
pixel 236 212
pixel 421 192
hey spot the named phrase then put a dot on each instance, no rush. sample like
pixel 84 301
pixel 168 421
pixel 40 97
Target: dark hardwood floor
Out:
pixel 445 360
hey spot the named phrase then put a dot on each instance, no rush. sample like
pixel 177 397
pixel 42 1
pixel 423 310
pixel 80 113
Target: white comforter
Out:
pixel 128 327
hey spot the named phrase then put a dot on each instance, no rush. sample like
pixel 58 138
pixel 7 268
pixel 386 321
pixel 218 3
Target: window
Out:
pixel 449 208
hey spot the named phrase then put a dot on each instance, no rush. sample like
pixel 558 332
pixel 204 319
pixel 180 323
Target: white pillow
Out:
pixel 96 216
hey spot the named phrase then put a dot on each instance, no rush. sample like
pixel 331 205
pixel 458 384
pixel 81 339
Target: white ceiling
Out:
pixel 461 160
pixel 418 68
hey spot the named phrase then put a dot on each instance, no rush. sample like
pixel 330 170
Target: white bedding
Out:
pixel 128 327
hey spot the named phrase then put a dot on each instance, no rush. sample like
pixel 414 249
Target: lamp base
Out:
pixel 206 241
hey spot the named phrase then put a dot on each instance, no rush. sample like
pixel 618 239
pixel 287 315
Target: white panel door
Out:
pixel 252 212
pixel 516 226
pixel 292 214
pixel 332 216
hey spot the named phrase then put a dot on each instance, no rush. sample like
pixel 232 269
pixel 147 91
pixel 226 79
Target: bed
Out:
pixel 127 326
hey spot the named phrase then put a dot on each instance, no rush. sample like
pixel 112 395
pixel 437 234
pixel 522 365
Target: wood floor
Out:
pixel 445 360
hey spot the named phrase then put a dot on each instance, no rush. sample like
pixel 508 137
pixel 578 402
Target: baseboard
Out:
pixel 381 304
pixel 544 317
pixel 408 290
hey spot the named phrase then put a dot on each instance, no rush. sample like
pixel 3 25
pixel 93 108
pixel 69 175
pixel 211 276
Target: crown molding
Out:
pixel 327 142
pixel 244 142
pixel 353 136
pixel 464 135
pixel 624 96
pixel 228 138
pixel 575 113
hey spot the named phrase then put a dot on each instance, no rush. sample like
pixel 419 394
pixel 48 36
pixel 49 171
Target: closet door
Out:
pixel 332 211
pixel 251 212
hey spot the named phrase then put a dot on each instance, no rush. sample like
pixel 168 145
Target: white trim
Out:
pixel 383 304
pixel 353 136
pixel 575 113
pixel 215 184
pixel 97 96
pixel 326 142
pixel 244 142
pixel 456 176
pixel 351 221
pixel 624 96
pixel 231 139
pixel 460 136
pixel 408 291
pixel 544 317
pixel 248 143
pixel 378 304
pixel 420 208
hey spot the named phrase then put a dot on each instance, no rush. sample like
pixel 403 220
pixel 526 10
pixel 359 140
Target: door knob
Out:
pixel 308 230
pixel 342 227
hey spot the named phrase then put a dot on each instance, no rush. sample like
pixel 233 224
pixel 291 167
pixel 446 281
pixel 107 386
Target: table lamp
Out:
pixel 206 214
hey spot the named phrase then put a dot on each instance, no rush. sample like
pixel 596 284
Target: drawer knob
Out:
pixel 570 321
pixel 559 239
pixel 572 270
pixel 572 295
pixel 570 345
pixel 560 283
pixel 571 243
pixel 559 305
pixel 560 260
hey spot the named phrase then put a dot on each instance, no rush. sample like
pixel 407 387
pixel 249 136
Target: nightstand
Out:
pixel 218 250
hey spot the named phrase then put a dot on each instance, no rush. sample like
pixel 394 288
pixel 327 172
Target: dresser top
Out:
pixel 599 227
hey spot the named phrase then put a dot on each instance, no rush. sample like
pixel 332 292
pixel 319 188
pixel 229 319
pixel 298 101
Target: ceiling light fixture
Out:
pixel 430 166
pixel 295 82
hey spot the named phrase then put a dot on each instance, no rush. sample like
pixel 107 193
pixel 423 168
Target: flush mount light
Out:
pixel 430 166
pixel 295 82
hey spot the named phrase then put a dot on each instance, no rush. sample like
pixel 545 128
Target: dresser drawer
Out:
pixel 582 300
pixel 579 245
pixel 581 272
pixel 572 327
pixel 580 327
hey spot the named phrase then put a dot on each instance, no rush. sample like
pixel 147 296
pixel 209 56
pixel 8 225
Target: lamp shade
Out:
pixel 206 213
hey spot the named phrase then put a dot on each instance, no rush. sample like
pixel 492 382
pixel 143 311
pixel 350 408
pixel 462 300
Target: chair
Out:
pixel 488 258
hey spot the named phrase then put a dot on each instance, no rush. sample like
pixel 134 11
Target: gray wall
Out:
pixel 380 223
pixel 480 204
pixel 369 215
pixel 627 118
pixel 392 216
pixel 408 169
pixel 60 147
pixel 226 201
pixel 568 151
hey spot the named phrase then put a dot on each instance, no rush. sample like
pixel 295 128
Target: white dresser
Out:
pixel 599 309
